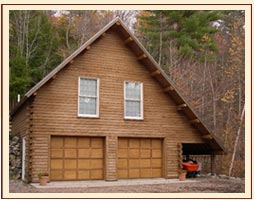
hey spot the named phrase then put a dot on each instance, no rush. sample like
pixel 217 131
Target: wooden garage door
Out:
pixel 139 158
pixel 76 158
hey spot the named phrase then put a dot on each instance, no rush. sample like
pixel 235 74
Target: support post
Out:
pixel 213 164
pixel 181 106
pixel 143 56
pixel 155 73
pixel 168 89
pixel 194 121
pixel 128 40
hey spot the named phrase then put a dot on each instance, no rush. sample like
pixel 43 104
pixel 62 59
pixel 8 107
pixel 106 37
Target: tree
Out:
pixel 75 27
pixel 184 40
pixel 33 49
pixel 234 95
pixel 182 33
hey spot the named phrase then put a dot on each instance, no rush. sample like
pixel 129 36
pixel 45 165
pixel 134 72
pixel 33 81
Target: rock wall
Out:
pixel 15 157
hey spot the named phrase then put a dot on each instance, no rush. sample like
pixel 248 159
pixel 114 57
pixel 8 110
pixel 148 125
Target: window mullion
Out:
pixel 129 99
pixel 87 96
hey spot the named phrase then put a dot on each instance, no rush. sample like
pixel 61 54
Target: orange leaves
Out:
pixel 228 96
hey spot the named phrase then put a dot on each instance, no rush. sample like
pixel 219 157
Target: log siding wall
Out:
pixel 55 108
pixel 22 126
pixel 110 160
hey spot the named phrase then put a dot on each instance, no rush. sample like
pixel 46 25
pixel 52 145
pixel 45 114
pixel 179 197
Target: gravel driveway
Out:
pixel 199 185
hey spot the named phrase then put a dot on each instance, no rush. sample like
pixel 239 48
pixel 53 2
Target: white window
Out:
pixel 88 101
pixel 133 100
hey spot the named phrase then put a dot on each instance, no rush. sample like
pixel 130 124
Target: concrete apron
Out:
pixel 102 183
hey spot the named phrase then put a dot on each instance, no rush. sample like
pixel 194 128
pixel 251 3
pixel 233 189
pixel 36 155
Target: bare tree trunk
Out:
pixel 214 113
pixel 46 61
pixel 213 97
pixel 160 51
pixel 160 45
pixel 240 94
pixel 227 125
pixel 236 141
pixel 31 45
pixel 20 24
pixel 23 28
pixel 203 92
pixel 68 31
pixel 226 128
pixel 26 31
pixel 170 55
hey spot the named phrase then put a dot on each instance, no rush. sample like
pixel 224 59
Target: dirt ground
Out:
pixel 203 185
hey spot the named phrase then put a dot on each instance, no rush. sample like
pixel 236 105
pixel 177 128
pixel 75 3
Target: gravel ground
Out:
pixel 202 185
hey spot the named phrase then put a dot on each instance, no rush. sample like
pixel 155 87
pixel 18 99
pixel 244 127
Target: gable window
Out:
pixel 88 101
pixel 133 100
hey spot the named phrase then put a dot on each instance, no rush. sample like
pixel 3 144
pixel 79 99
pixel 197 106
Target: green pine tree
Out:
pixel 33 49
pixel 182 33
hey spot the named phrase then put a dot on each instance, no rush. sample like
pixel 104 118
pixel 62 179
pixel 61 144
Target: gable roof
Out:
pixel 216 145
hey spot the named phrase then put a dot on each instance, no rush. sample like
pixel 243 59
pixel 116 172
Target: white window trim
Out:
pixel 23 158
pixel 97 100
pixel 141 101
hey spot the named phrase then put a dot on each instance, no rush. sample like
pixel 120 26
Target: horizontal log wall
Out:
pixel 111 158
pixel 20 121
pixel 21 126
pixel 55 105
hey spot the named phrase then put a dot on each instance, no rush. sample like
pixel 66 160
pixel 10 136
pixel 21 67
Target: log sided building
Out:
pixel 108 112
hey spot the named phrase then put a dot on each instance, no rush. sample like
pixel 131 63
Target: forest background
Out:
pixel 201 51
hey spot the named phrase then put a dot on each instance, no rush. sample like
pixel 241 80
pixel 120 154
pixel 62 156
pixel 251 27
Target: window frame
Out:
pixel 97 97
pixel 141 101
pixel 23 160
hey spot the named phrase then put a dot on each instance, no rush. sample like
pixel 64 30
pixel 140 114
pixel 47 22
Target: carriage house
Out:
pixel 108 112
